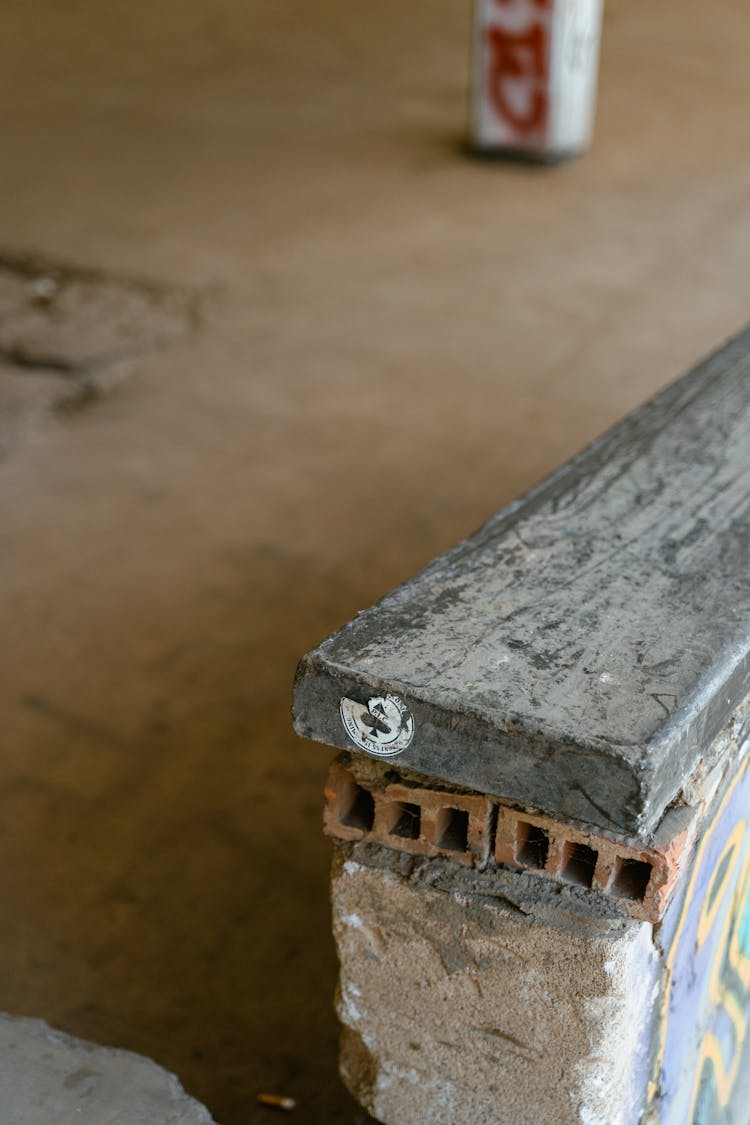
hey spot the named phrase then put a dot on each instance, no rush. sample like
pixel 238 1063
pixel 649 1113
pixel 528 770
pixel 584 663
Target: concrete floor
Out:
pixel 395 340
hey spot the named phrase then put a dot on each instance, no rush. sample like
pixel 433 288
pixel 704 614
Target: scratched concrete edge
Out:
pixel 559 779
pixel 639 781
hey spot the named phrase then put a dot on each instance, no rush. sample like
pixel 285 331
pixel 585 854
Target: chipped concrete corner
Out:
pixel 48 1077
pixel 541 875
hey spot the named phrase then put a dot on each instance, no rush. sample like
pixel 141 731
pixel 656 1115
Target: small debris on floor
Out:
pixel 277 1101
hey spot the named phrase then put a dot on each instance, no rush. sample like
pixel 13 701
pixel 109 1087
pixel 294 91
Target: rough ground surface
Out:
pixel 69 334
pixel 403 339
pixel 47 1078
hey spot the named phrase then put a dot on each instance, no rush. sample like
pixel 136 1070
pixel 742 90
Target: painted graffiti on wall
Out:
pixel 703 1024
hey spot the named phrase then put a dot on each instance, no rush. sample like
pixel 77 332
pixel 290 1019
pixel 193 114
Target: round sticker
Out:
pixel 383 728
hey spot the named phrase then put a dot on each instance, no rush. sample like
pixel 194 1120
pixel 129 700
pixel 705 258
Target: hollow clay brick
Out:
pixel 422 821
pixel 339 812
pixel 411 818
pixel 645 898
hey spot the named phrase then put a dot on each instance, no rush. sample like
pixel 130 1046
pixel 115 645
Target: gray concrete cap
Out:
pixel 580 651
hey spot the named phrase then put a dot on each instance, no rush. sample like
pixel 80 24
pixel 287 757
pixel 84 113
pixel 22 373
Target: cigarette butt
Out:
pixel 278 1101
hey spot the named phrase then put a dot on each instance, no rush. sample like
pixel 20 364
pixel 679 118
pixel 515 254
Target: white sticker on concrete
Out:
pixel 383 728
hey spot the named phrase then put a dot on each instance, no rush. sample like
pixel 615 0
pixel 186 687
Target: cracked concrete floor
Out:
pixel 399 340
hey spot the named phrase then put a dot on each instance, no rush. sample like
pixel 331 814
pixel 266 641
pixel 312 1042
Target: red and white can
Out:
pixel 534 75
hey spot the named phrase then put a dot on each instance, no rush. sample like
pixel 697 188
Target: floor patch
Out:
pixel 68 333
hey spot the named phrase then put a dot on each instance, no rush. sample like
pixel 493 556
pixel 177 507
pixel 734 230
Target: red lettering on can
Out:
pixel 518 77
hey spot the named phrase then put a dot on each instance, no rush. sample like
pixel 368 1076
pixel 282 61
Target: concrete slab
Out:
pixel 583 649
pixel 48 1077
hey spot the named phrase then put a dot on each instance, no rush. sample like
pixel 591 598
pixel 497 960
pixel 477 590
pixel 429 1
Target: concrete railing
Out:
pixel 541 880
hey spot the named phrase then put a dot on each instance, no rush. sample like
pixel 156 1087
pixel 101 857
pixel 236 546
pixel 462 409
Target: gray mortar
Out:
pixel 564 906
pixel 581 651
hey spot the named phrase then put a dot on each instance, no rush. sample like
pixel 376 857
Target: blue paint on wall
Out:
pixel 702 1026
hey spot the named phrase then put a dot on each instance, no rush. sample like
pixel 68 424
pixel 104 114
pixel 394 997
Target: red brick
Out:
pixel 640 878
pixel 432 822
pixel 349 807
pixel 451 824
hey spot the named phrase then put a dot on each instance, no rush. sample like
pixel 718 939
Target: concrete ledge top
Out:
pixel 580 651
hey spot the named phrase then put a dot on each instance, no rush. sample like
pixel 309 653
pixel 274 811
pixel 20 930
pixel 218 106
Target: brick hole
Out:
pixel 532 845
pixel 356 807
pixel 404 820
pixel 452 830
pixel 578 865
pixel 632 877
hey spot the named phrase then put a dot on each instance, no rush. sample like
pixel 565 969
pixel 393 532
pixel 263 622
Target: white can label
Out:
pixel 383 728
pixel 535 70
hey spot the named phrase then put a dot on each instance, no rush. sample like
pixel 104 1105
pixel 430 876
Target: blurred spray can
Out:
pixel 535 65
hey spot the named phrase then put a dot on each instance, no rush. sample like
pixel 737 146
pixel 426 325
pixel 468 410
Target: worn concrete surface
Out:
pixel 400 341
pixel 463 1007
pixel 582 650
pixel 47 1077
